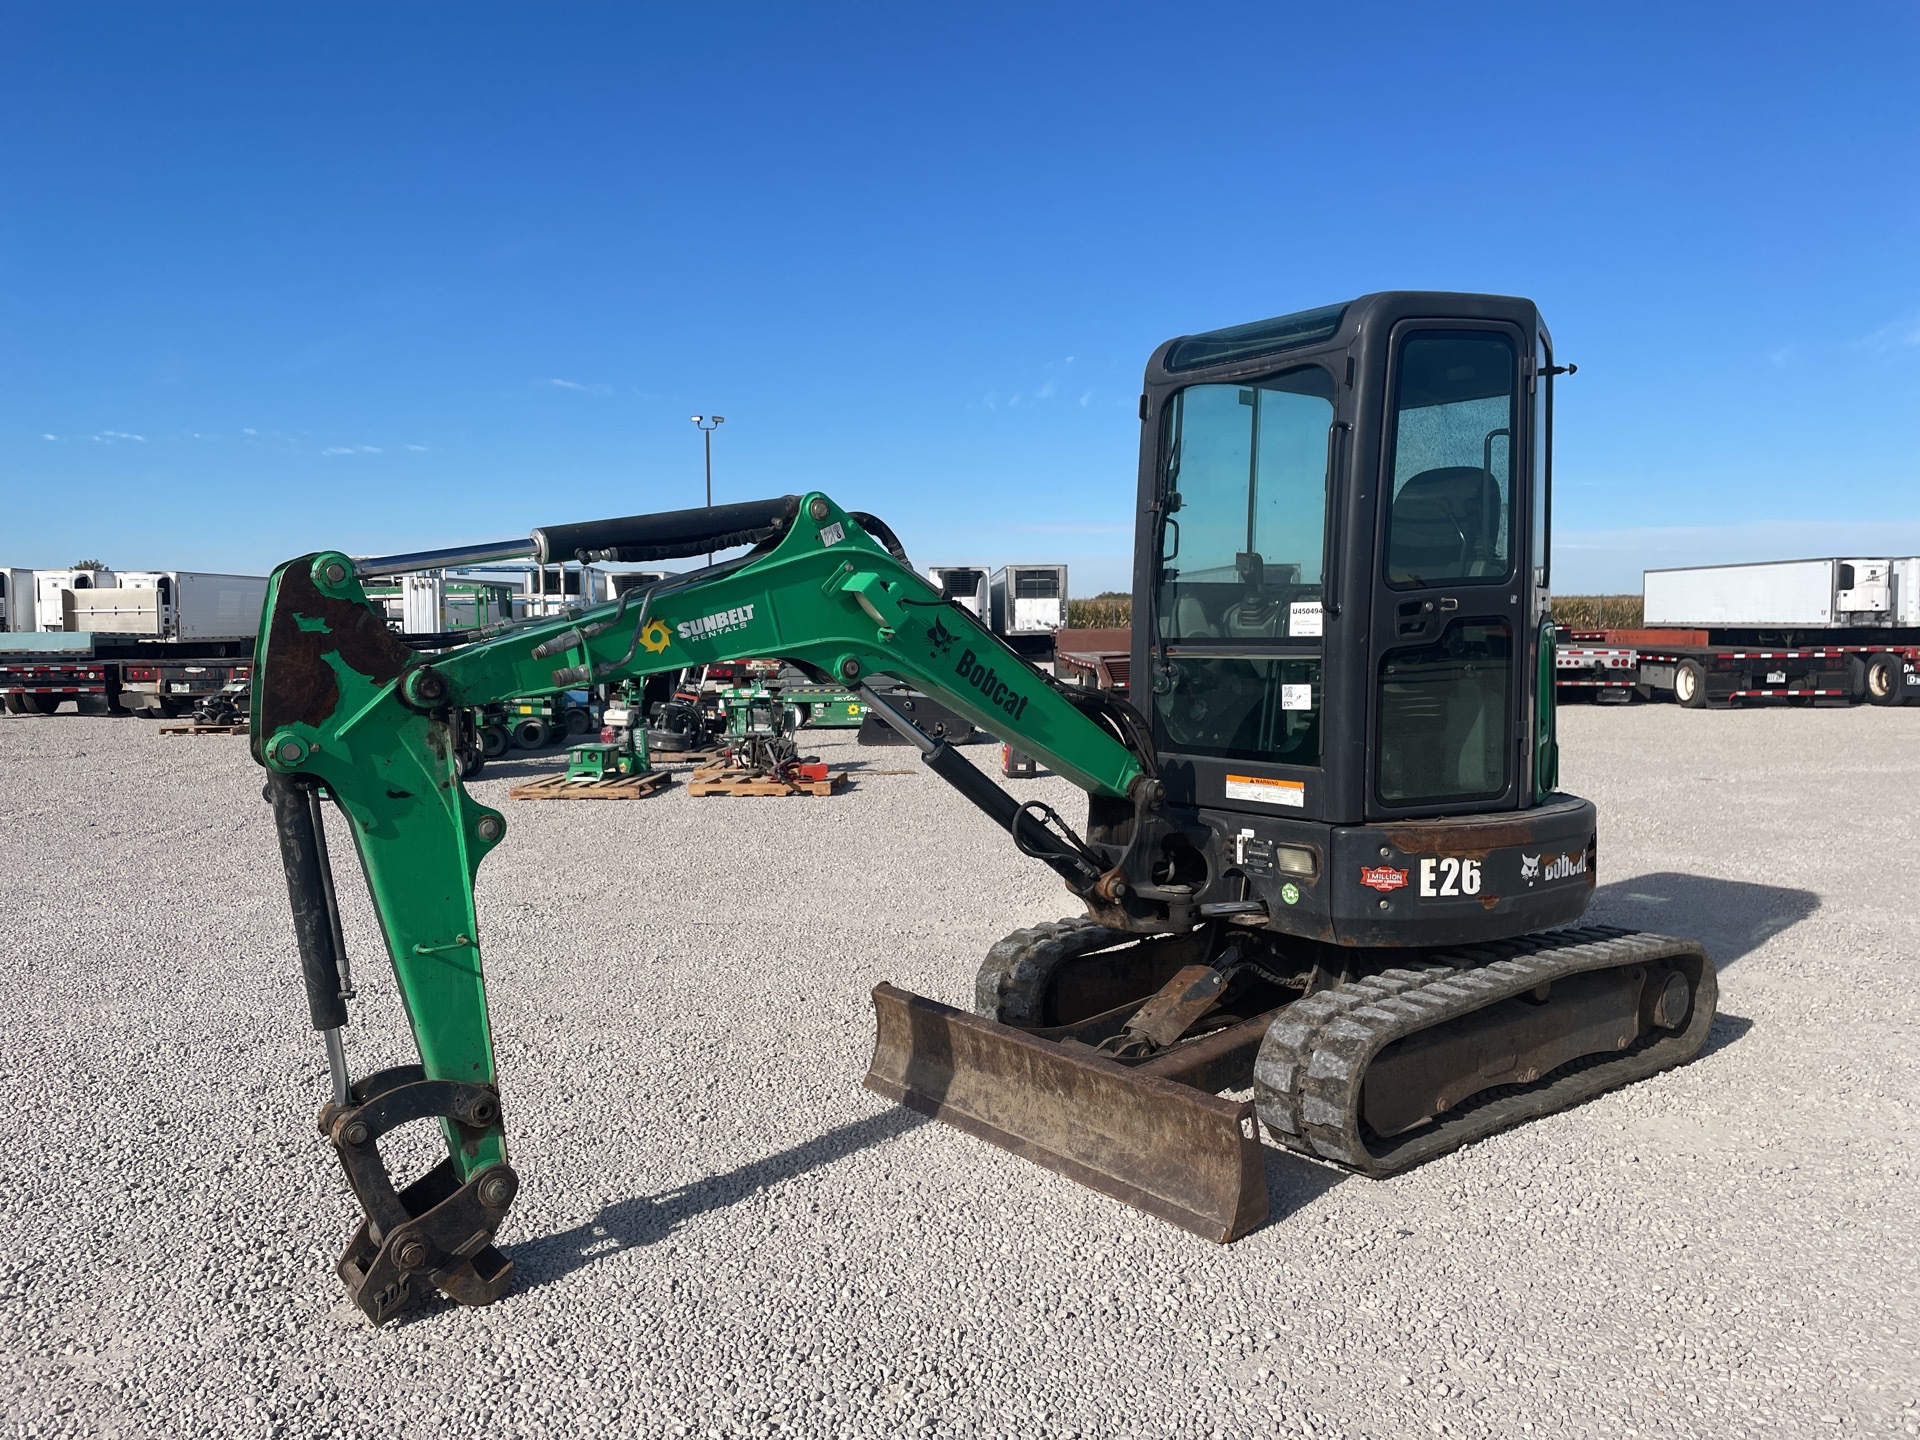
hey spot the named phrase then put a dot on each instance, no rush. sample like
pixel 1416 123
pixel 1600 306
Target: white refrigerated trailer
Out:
pixel 1826 631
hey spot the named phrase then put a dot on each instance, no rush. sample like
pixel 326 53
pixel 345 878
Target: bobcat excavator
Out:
pixel 1324 858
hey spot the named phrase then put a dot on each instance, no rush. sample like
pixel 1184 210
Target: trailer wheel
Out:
pixel 493 741
pixel 43 704
pixel 1690 684
pixel 531 733
pixel 797 716
pixel 1885 682
pixel 578 722
pixel 16 704
pixel 471 762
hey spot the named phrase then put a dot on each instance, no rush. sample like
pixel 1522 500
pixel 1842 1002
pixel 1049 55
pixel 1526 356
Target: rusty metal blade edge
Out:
pixel 1127 1127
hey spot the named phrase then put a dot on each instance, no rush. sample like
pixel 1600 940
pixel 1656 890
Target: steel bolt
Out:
pixel 428 685
pixel 490 827
pixel 291 752
pixel 410 1253
pixel 496 1190
pixel 356 1133
pixel 818 509
pixel 850 668
pixel 335 572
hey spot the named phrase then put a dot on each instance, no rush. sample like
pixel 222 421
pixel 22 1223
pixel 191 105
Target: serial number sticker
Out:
pixel 1258 788
pixel 1296 697
pixel 1304 618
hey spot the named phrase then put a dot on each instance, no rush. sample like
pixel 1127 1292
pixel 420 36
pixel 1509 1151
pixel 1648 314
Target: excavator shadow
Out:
pixel 647 1219
pixel 1732 918
pixel 1292 1184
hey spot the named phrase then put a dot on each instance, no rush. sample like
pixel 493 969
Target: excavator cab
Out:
pixel 1341 618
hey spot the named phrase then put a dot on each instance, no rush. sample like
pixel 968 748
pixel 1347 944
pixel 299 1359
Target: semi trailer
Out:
pixel 159 641
pixel 1831 631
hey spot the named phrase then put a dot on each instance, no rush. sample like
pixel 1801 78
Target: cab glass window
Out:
pixel 1246 478
pixel 1444 722
pixel 1243 708
pixel 1450 518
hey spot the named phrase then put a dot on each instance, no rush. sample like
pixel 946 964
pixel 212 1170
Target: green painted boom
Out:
pixel 338 701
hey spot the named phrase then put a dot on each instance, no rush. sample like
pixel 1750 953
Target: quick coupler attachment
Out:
pixel 437 1234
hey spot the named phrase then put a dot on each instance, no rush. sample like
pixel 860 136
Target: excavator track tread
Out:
pixel 1313 1062
pixel 1013 978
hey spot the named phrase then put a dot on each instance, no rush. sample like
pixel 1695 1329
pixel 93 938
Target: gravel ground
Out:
pixel 721 1233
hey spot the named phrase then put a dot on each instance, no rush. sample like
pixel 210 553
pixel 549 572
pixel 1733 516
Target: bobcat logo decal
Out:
pixel 940 637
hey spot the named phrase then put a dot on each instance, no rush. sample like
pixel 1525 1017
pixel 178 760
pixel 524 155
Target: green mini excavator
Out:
pixel 1324 860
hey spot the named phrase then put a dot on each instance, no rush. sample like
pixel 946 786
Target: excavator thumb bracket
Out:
pixel 437 1234
pixel 1186 1156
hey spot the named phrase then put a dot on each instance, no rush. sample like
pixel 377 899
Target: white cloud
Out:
pixel 1086 398
pixel 416 447
pixel 49 437
pixel 1897 335
pixel 584 387
pixel 248 430
pixel 338 450
pixel 107 437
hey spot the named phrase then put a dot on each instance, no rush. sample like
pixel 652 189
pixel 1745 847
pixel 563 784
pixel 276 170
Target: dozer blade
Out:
pixel 1176 1152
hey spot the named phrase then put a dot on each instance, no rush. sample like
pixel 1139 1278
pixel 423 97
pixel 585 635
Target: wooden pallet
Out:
pixel 239 729
pixel 719 781
pixel 619 787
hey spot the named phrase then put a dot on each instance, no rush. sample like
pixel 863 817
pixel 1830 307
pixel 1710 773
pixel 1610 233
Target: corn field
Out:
pixel 1599 612
pixel 1102 612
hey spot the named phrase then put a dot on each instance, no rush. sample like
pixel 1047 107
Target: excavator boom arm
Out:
pixel 342 708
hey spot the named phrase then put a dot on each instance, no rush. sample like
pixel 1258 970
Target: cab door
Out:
pixel 1451 635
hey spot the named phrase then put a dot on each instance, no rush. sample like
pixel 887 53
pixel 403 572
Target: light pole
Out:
pixel 708 424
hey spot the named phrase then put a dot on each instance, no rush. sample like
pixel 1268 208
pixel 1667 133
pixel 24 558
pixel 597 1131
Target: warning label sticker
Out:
pixel 1292 793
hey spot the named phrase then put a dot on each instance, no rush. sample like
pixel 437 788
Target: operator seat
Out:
pixel 1445 526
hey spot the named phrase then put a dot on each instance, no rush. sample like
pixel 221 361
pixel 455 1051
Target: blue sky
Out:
pixel 382 277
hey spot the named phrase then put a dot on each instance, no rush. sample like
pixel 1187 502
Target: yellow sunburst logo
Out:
pixel 656 637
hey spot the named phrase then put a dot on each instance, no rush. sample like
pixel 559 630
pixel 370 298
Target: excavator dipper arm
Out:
pixel 344 711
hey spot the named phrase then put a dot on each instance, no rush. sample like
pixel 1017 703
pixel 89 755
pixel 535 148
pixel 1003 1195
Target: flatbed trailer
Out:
pixel 40 672
pixel 1692 669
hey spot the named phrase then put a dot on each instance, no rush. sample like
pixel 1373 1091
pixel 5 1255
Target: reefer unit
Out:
pixel 53 591
pixel 1029 599
pixel 965 585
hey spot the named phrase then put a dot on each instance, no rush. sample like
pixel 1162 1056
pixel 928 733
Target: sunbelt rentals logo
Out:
pixel 721 622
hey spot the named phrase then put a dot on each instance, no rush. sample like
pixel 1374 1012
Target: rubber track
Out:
pixel 1018 969
pixel 1308 1077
